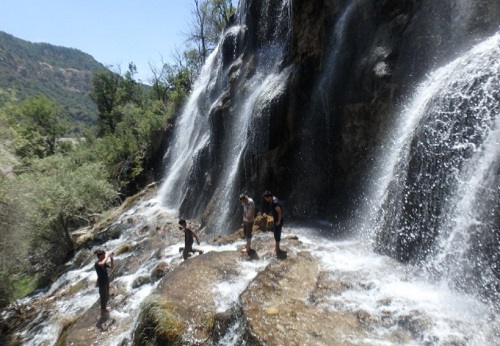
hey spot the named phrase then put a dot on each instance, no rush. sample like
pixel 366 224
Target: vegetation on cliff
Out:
pixel 78 138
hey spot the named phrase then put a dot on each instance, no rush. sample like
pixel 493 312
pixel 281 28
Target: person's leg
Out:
pixel 106 290
pixel 277 237
pixel 103 295
pixel 247 230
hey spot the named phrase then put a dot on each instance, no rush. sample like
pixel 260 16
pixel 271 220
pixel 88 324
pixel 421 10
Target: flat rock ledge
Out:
pixel 287 301
pixel 282 305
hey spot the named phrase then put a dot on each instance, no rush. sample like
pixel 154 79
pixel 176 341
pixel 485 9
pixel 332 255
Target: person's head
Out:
pixel 100 253
pixel 268 196
pixel 182 223
pixel 243 198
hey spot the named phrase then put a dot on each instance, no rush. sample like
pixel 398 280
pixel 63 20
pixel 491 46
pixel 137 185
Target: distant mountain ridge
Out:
pixel 62 74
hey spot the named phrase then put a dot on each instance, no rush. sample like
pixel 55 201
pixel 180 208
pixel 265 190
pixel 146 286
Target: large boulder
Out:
pixel 191 289
pixel 280 310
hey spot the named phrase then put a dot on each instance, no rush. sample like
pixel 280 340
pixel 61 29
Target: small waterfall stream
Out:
pixel 190 134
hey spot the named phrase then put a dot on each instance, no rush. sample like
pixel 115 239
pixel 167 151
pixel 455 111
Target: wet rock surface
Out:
pixel 223 296
pixel 280 311
pixel 192 288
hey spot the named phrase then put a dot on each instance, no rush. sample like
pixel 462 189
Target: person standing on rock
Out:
pixel 278 219
pixel 248 220
pixel 189 237
pixel 101 267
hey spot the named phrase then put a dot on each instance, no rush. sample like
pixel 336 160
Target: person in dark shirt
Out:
pixel 278 219
pixel 101 267
pixel 189 237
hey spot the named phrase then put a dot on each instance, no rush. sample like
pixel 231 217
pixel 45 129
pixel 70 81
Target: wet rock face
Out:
pixel 343 91
pixel 352 67
pixel 191 289
pixel 288 302
pixel 278 306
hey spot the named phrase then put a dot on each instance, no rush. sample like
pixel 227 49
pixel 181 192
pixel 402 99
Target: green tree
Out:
pixel 172 83
pixel 104 93
pixel 222 11
pixel 39 124
pixel 127 151
pixel 61 193
pixel 129 91
pixel 13 241
pixel 110 91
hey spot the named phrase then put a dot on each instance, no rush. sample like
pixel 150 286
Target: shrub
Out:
pixel 160 322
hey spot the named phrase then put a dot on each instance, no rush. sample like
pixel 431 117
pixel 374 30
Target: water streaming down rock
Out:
pixel 441 201
pixel 439 189
pixel 250 124
pixel 248 83
pixel 225 119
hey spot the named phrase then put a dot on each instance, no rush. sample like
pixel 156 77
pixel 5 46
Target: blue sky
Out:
pixel 113 32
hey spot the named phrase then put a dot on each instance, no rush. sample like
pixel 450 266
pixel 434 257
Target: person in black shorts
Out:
pixel 278 219
pixel 101 267
pixel 189 237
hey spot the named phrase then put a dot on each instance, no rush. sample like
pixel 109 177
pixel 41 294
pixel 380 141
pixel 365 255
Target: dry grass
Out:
pixel 161 313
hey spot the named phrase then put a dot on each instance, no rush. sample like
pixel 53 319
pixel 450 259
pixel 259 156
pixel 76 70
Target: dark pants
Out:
pixel 186 251
pixel 104 294
pixel 277 230
pixel 247 229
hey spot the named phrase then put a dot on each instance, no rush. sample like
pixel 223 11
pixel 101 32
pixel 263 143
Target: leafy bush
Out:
pixel 61 193
pixel 12 241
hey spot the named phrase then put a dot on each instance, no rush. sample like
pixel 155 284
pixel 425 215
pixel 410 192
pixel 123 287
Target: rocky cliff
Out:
pixel 350 68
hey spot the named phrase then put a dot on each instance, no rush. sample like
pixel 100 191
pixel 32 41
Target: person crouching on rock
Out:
pixel 101 267
pixel 189 237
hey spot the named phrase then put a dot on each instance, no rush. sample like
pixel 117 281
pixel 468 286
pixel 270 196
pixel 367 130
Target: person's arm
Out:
pixel 278 210
pixel 111 263
pixel 105 259
pixel 196 237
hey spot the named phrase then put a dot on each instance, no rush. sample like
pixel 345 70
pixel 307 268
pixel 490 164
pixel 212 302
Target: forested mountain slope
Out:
pixel 63 74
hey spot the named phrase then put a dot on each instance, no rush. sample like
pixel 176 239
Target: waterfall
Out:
pixel 439 190
pixel 190 134
pixel 422 264
pixel 318 127
pixel 201 134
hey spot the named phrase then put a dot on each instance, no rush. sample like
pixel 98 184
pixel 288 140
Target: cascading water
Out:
pixel 241 135
pixel 189 135
pixel 262 88
pixel 318 128
pixel 440 186
pixel 434 205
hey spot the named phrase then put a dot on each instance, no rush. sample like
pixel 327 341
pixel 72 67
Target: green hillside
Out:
pixel 62 74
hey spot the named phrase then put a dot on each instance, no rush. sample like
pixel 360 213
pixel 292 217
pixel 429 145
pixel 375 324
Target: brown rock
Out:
pixel 279 311
pixel 190 288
